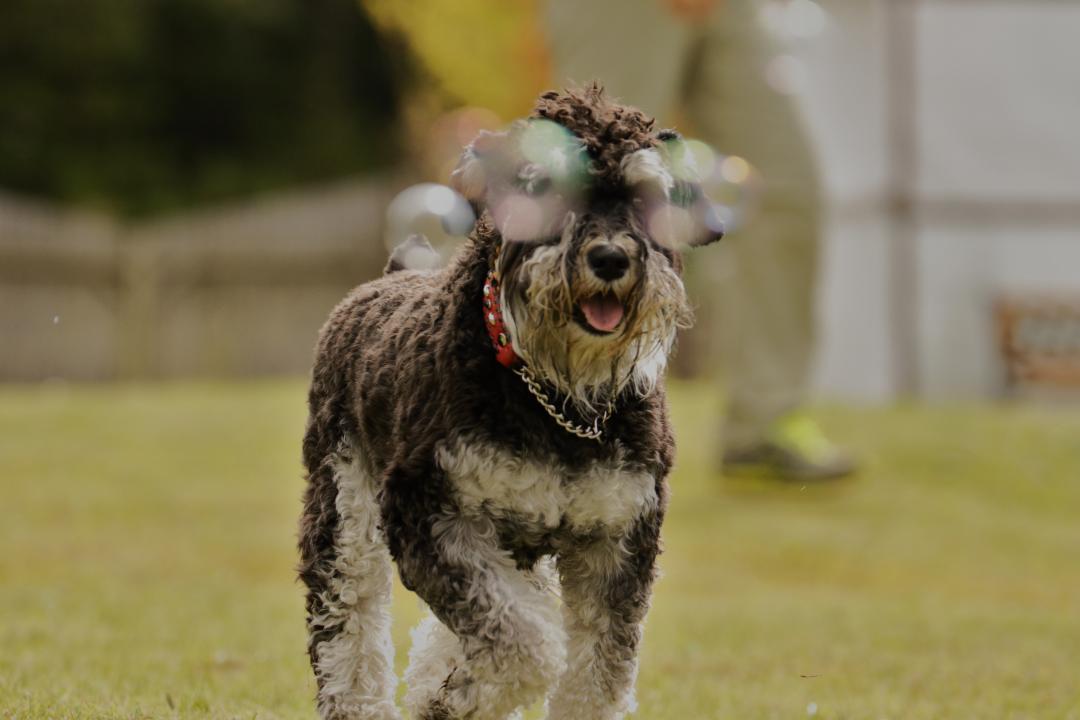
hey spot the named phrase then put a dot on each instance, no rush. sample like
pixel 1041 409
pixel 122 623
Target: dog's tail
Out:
pixel 415 253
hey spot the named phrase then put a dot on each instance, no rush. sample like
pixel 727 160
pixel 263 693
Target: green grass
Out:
pixel 147 537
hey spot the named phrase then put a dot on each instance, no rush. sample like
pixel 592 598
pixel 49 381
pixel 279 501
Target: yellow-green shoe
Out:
pixel 794 449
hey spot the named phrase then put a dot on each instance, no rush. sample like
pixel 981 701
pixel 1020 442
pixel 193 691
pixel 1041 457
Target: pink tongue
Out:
pixel 603 312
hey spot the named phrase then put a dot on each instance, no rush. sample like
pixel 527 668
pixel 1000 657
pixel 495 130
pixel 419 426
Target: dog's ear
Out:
pixel 687 193
pixel 477 166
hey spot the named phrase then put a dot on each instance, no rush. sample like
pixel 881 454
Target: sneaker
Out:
pixel 795 449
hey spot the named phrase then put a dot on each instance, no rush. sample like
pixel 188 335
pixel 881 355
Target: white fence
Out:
pixel 947 132
pixel 240 290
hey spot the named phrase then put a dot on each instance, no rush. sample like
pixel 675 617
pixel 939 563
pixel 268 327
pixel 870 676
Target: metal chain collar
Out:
pixel 589 433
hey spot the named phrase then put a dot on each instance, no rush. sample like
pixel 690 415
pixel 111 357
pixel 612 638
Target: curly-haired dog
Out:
pixel 499 429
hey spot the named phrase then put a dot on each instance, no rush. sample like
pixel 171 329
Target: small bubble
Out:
pixel 520 218
pixel 55 319
pixel 682 158
pixel 428 209
pixel 440 199
pixel 794 19
pixel 553 148
pixel 452 131
pixel 703 157
pixel 542 138
pixel 735 169
pixel 786 74
pixel 733 188
pixel 674 225
pixel 468 121
pixel 805 18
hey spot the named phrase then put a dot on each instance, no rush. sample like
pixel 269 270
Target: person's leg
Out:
pixel 635 48
pixel 765 305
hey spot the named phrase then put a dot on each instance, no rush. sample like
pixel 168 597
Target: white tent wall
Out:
pixel 992 113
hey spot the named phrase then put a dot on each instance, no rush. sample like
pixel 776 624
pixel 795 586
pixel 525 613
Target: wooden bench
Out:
pixel 1039 339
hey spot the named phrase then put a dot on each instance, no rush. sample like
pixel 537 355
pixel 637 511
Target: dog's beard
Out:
pixel 590 370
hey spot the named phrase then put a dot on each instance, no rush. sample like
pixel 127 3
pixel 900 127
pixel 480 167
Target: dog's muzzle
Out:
pixel 608 262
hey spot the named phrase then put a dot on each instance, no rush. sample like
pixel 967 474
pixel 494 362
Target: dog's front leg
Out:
pixel 495 642
pixel 606 585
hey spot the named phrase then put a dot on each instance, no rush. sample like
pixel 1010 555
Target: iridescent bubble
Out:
pixel 434 211
pixel 672 224
pixel 526 218
pixel 702 157
pixel 543 138
pixel 682 160
pixel 735 169
pixel 554 148
pixel 519 217
pixel 806 18
pixel 415 253
pixel 733 188
pixel 440 200
pixel 786 74
pixel 794 19
pixel 469 121
pixel 713 193
pixel 452 131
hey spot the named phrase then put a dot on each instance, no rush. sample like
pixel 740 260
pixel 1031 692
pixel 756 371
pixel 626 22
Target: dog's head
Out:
pixel 592 207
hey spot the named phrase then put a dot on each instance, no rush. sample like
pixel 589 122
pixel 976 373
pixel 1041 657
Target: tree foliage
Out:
pixel 141 106
pixel 489 53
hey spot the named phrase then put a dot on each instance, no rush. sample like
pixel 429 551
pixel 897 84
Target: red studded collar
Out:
pixel 493 319
pixel 504 353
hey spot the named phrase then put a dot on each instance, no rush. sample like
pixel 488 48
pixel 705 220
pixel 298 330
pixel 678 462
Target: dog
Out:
pixel 498 430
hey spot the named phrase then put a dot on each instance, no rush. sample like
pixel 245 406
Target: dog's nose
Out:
pixel 608 262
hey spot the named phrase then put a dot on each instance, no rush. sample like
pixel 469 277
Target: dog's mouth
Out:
pixel 600 314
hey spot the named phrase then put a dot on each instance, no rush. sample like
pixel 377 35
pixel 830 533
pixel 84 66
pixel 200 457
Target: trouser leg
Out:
pixel 634 47
pixel 763 306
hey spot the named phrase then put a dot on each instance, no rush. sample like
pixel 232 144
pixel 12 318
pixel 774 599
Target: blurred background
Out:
pixel 187 187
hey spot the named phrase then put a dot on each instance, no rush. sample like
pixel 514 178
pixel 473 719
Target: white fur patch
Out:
pixel 650 367
pixel 356 666
pixel 495 482
pixel 435 652
pixel 583 692
pixel 508 320
pixel 600 676
pixel 519 650
pixel 646 167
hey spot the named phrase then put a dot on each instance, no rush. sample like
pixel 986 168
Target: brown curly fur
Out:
pixel 609 131
pixel 404 377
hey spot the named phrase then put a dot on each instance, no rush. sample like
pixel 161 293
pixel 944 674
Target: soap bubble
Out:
pixel 786 74
pixel 555 149
pixel 551 166
pixel 794 19
pixel 731 187
pixel 673 225
pixel 521 217
pixel 452 131
pixel 435 211
pixel 734 187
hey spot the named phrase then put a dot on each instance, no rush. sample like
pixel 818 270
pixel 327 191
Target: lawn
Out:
pixel 148 538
